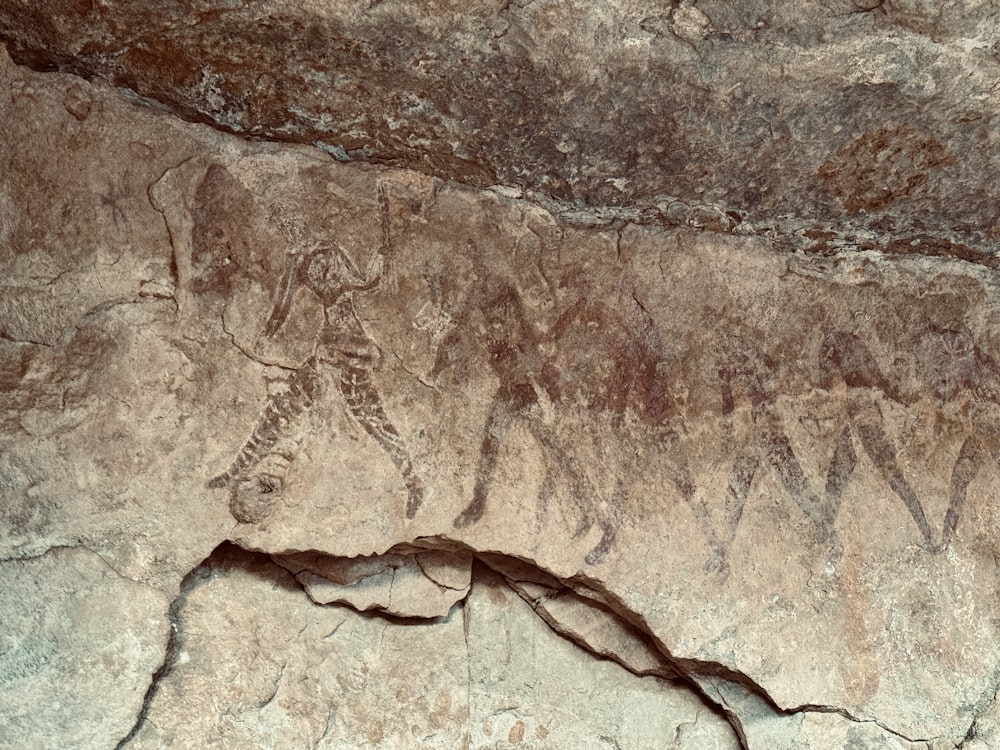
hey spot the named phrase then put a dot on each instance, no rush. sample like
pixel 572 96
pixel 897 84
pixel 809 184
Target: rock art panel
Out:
pixel 777 467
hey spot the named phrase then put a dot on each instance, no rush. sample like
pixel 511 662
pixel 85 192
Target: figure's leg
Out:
pixel 744 469
pixel 255 492
pixel 821 512
pixel 545 494
pixel 582 490
pixel 680 475
pixel 497 424
pixel 282 408
pixel 842 466
pixel 619 498
pixel 365 404
pixel 624 463
pixel 845 460
pixel 881 450
pixel 548 490
pixel 967 465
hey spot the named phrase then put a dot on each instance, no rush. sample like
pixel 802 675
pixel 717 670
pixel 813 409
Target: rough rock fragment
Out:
pixel 420 584
pixel 592 625
pixel 985 730
pixel 763 726
pixel 874 115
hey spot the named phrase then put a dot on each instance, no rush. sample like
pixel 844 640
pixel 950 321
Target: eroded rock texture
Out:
pixel 875 115
pixel 684 434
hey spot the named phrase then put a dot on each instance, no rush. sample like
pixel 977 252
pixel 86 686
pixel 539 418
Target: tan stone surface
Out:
pixel 257 664
pixel 77 645
pixel 531 688
pixel 713 455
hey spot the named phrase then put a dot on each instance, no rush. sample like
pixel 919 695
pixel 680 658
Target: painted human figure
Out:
pixel 610 361
pixel 964 369
pixel 595 356
pixel 844 356
pixel 494 305
pixel 342 345
pixel 591 366
pixel 746 369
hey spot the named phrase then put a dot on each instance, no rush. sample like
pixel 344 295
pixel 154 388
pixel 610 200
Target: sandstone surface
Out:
pixel 657 410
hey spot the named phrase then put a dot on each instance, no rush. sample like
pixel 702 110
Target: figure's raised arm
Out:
pixel 378 263
pixel 375 270
pixel 284 293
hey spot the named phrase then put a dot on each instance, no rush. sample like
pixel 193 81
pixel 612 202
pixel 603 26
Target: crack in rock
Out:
pixel 972 737
pixel 577 609
pixel 520 575
pixel 171 654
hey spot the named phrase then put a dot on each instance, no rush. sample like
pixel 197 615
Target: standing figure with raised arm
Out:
pixel 610 360
pixel 343 345
pixel 493 309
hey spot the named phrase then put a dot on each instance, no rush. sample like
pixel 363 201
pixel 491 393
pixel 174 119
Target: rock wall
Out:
pixel 543 375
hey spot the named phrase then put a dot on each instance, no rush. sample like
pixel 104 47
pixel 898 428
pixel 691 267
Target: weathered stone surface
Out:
pixel 257 664
pixel 758 461
pixel 985 731
pixel 284 673
pixel 77 645
pixel 530 688
pixel 875 115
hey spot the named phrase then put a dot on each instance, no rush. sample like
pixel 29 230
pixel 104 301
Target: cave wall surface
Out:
pixel 539 375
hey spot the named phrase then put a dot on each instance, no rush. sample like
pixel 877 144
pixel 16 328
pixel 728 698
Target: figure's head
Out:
pixel 325 271
pixel 501 306
pixel 950 358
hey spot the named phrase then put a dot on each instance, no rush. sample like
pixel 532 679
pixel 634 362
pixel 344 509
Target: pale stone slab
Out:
pixel 420 584
pixel 529 687
pixel 78 644
pixel 257 664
